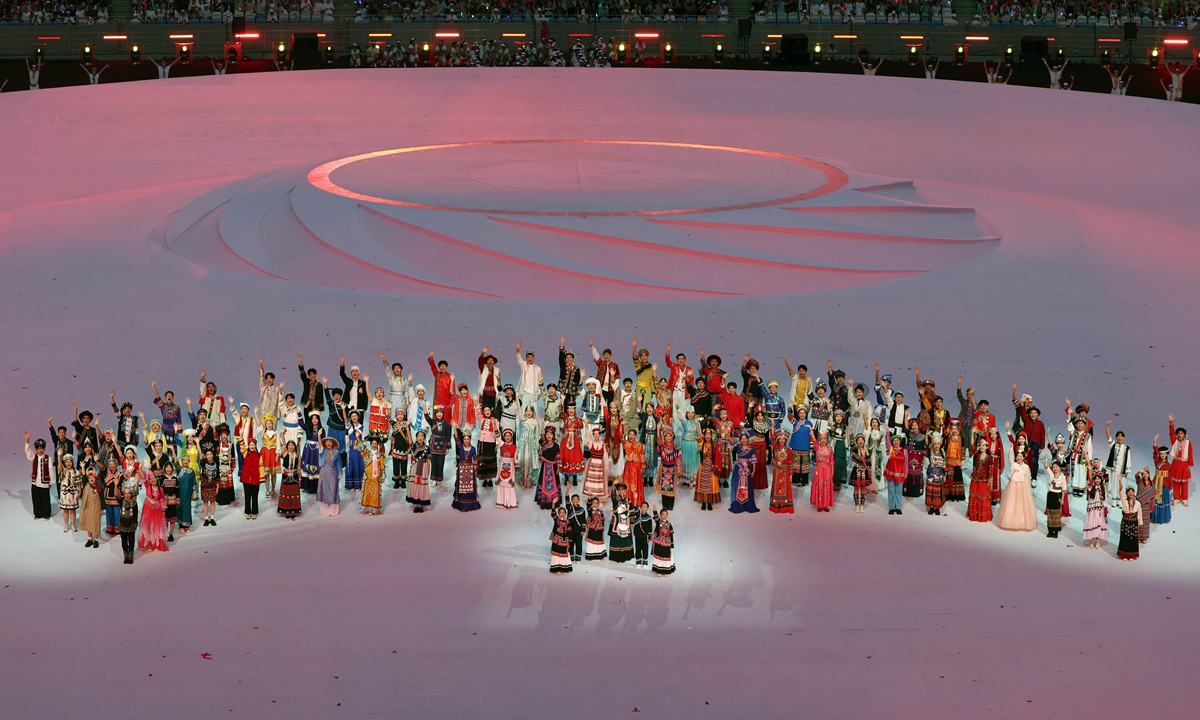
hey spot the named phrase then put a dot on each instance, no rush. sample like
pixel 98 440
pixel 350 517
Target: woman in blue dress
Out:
pixel 688 434
pixel 355 467
pixel 466 492
pixel 331 471
pixel 187 484
pixel 547 495
pixel 741 480
pixel 310 456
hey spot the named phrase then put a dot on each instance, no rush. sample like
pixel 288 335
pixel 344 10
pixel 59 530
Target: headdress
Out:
pixel 126 405
pixel 491 357
pixel 752 363
pixel 333 440
pixel 39 443
pixel 822 384
pixel 269 418
pixel 88 413
pixel 773 382
pixel 156 421
pixel 710 358
pixel 1082 408
pixel 885 378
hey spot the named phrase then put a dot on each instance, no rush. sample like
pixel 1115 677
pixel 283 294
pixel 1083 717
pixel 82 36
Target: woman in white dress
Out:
pixel 506 471
pixel 1017 511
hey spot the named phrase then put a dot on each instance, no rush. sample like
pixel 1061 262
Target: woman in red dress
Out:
pixel 1181 462
pixel 821 495
pixel 635 465
pixel 570 459
pixel 979 505
pixel 781 473
pixel 762 434
pixel 895 472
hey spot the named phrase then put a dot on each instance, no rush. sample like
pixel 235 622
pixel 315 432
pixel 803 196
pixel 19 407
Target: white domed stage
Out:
pixel 153 229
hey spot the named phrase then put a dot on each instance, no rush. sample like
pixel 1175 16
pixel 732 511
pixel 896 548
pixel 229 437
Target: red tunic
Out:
pixel 443 390
pixel 896 469
pixel 570 459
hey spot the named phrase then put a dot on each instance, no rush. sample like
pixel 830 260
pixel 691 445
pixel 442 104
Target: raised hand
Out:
pixel 877 368
pixel 485 349
pixel 562 341
pixel 188 400
pixel 592 342
pixel 1171 417
pixel 300 358
pixel 112 395
pixel 519 346
pixel 432 353
pixel 342 360
pixel 324 380
pixel 382 357
pixel 26 437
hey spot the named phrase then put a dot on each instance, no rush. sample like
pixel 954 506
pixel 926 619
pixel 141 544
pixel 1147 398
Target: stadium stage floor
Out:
pixel 152 229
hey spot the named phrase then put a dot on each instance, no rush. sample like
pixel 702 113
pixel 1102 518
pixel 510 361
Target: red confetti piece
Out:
pixel 206 656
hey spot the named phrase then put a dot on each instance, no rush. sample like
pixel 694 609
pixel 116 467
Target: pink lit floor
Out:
pixel 149 230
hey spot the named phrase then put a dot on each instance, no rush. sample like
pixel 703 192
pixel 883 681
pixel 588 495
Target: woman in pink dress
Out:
pixel 1017 511
pixel 153 534
pixel 821 495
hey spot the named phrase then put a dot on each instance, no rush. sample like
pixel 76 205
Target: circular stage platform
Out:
pixel 150 230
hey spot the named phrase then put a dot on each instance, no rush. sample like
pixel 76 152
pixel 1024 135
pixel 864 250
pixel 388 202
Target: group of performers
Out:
pixel 660 430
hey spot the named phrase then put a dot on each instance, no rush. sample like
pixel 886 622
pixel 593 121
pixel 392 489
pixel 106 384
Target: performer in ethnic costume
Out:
pixel 310 458
pixel 466 495
pixel 1095 527
pixel 571 460
pixel 439 445
pixel 595 481
pixel 741 480
pixel 1131 520
pixel 895 473
pixel 860 472
pixel 837 438
pixel 979 509
pixel 664 543
pixel 708 488
pixel 374 473
pixel 289 504
pixel 594 546
pixel 643 531
pixel 935 477
pixel 620 529
pixel 1162 486
pixel 761 444
pixel 577 516
pixel 635 466
pixel 418 486
pixel 1056 491
pixel 1145 498
pixel 331 470
pixel 821 495
pixel 915 449
pixel 506 472
pixel 401 447
pixel 489 433
pixel 547 494
pixel 529 446
pixel 667 477
pixel 996 451
pixel 800 445
pixel 781 473
pixel 1181 463
pixel 955 454
pixel 560 541
pixel 1017 511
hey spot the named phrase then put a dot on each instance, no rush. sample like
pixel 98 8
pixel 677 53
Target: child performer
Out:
pixel 664 545
pixel 594 546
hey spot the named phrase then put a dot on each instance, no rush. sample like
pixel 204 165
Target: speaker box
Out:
pixel 745 27
pixel 793 49
pixel 1131 29
pixel 239 25
pixel 306 51
pixel 1034 48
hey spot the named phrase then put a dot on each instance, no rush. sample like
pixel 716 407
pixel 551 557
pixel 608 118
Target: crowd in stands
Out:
pixel 1090 13
pixel 884 12
pixel 52 12
pixel 185 11
pixel 542 10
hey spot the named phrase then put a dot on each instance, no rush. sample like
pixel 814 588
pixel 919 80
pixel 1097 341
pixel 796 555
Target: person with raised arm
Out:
pixel 1181 462
pixel 443 381
pixel 529 387
pixel 313 395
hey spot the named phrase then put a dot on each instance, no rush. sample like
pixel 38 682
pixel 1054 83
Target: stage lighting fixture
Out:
pixel 668 53
pixel 281 51
pixel 330 53
pixel 912 54
pixel 85 53
pixel 425 47
pixel 1060 54
pixel 818 52
pixel 718 53
pixel 1008 54
pixel 135 53
pixel 864 54
pixel 766 53
pixel 1153 58
pixel 231 55
pixel 960 54
pixel 185 52
pixel 38 55
pixel 1106 56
